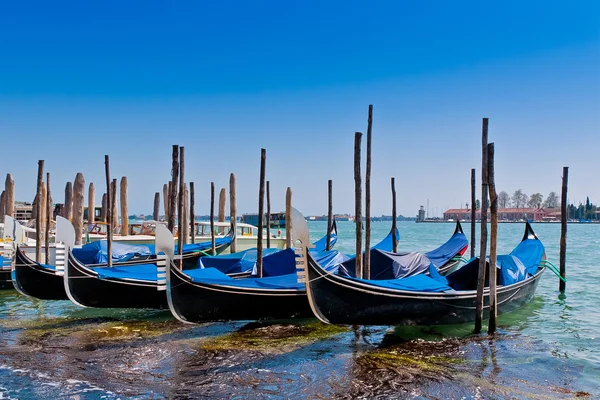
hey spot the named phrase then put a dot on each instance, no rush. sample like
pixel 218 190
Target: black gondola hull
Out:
pixel 339 300
pixel 32 279
pixel 5 280
pixel 196 302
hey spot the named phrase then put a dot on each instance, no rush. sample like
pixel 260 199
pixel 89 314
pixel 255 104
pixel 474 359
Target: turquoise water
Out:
pixel 548 349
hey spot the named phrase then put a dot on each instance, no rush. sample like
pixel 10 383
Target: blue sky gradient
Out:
pixel 79 80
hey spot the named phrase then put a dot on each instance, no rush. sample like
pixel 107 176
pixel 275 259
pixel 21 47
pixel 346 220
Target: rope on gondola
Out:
pixel 553 268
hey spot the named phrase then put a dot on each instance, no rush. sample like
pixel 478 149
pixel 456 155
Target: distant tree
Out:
pixel 519 199
pixel 503 199
pixel 477 204
pixel 552 200
pixel 535 201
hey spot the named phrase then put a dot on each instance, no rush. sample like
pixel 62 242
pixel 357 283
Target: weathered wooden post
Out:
pixel 166 192
pixel 268 215
pixel 222 201
pixel 124 206
pixel 493 239
pixel 192 214
pixel 156 210
pixel 367 260
pixel 91 203
pixel 562 286
pixel 329 213
pixel 394 217
pixel 186 214
pixel 113 202
pixel 212 218
pixel 108 210
pixel 261 212
pixel 180 212
pixel 48 219
pixel 43 211
pixel 473 212
pixel 2 206
pixel 173 189
pixel 78 206
pixel 483 239
pixel 289 228
pixel 103 210
pixel 233 210
pixel 68 210
pixel 9 196
pixel 38 216
pixel 358 204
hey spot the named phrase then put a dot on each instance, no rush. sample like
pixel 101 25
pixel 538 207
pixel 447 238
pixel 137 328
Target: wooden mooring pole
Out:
pixel 9 196
pixel 261 212
pixel 113 202
pixel 212 218
pixel 289 228
pixel 44 212
pixel 103 213
pixel 268 215
pixel 68 210
pixel 91 203
pixel 233 210
pixel 493 239
pixel 124 207
pixel 186 213
pixel 173 188
pixel 562 286
pixel 329 213
pixel 358 204
pixel 108 211
pixel 166 200
pixel 473 212
pixel 394 217
pixel 156 210
pixel 38 216
pixel 222 204
pixel 483 239
pixel 78 206
pixel 180 203
pixel 192 214
pixel 367 260
pixel 48 218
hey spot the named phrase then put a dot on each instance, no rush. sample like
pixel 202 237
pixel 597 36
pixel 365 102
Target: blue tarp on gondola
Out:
pixel 388 265
pixel 416 283
pixel 145 272
pixel 242 261
pixel 445 252
pixel 96 252
pixel 321 244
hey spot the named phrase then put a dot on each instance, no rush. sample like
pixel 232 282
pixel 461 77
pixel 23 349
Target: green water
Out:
pixel 548 349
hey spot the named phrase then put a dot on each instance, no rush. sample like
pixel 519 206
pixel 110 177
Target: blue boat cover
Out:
pixel 145 272
pixel 321 244
pixel 445 252
pixel 388 265
pixel 242 261
pixel 415 283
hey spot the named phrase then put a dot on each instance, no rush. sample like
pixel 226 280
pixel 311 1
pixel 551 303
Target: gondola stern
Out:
pixel 313 271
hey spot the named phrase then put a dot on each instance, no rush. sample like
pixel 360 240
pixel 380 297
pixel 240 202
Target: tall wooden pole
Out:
pixel 394 217
pixel 103 213
pixel 222 204
pixel 483 239
pixel 44 211
pixel 367 260
pixel 261 212
pixel 358 204
pixel 9 197
pixel 173 188
pixel 268 215
pixel 192 214
pixel 38 217
pixel 2 206
pixel 113 201
pixel 108 210
pixel 78 206
pixel 473 212
pixel 68 210
pixel 48 218
pixel 156 211
pixel 91 203
pixel 186 214
pixel 212 218
pixel 563 230
pixel 124 206
pixel 493 239
pixel 289 228
pixel 166 200
pixel 180 206
pixel 329 213
pixel 233 210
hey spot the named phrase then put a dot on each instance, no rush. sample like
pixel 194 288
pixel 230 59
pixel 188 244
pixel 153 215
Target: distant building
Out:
pixel 421 216
pixel 505 214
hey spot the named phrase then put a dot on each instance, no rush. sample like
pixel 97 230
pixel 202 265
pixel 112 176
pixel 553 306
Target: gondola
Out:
pixel 424 299
pixel 129 284
pixel 5 278
pixel 208 294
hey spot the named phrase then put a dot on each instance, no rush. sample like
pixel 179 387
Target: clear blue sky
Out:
pixel 82 79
